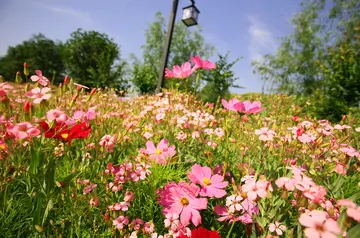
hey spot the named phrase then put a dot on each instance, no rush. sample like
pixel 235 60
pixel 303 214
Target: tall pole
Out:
pixel 167 46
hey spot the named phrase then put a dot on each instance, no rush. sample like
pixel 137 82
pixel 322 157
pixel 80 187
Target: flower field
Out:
pixel 76 162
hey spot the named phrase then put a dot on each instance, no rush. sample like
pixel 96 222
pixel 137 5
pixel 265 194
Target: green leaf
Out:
pixel 354 232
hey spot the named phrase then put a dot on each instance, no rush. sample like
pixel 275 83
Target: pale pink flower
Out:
pixel 108 142
pixel 341 127
pixel 4 88
pixel 129 196
pixel 160 153
pixel 90 188
pixel 94 202
pixel 120 222
pixel 265 134
pixel 230 105
pixel 42 80
pixel 233 202
pixel 38 94
pixel 277 227
pixel 182 199
pixel 212 185
pixel 202 64
pixel 181 136
pixel 352 211
pixel 247 107
pixel 286 183
pixel 79 86
pixel 179 72
pixel 23 130
pixel 120 206
pixel 255 189
pixel 340 168
pixel 57 115
pixel 318 224
pixel 350 151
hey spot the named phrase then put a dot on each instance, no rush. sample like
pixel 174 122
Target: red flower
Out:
pixel 201 232
pixel 62 132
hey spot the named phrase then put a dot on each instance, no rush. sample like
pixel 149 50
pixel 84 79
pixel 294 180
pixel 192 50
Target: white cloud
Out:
pixel 80 16
pixel 262 40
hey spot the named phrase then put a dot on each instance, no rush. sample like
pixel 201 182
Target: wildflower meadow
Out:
pixel 86 162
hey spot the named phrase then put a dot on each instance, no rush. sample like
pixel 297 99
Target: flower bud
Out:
pixel 18 78
pixel 27 88
pixel 93 91
pixel 1 79
pixel 60 85
pixel 26 70
pixel 27 107
pixel 66 80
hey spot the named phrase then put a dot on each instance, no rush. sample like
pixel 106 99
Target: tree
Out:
pixel 90 58
pixel 38 52
pixel 303 65
pixel 219 80
pixel 185 43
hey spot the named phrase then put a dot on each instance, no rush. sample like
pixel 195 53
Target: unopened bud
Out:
pixel 1 79
pixel 78 88
pixel 26 70
pixel 18 78
pixel 60 85
pixel 93 91
pixel 27 88
pixel 75 97
pixel 27 107
pixel 66 80
pixel 343 118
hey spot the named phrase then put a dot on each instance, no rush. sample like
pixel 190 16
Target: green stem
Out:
pixel 229 233
pixel 197 82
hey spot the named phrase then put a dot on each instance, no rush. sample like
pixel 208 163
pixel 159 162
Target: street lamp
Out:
pixel 190 16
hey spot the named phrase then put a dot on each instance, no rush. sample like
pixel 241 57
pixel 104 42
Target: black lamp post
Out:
pixel 190 16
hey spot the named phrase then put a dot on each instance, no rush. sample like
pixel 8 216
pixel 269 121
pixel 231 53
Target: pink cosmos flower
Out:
pixel 286 183
pixel 350 151
pixel 4 87
pixel 108 142
pixel 202 64
pixel 23 130
pixel 56 115
pixel 121 222
pixel 265 134
pixel 179 72
pixel 182 199
pixel 277 227
pixel 230 105
pixel 352 211
pixel 319 225
pixel 212 185
pixel 247 107
pixel 39 94
pixel 255 189
pixel 159 153
pixel 129 196
pixel 42 80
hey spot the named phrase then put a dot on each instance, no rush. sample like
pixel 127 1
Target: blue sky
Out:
pixel 245 28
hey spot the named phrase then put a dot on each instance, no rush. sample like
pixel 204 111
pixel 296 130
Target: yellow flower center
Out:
pixel 2 147
pixel 158 151
pixel 184 201
pixel 207 181
pixel 65 135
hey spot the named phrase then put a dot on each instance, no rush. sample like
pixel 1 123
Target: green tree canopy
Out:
pixel 91 59
pixel 40 53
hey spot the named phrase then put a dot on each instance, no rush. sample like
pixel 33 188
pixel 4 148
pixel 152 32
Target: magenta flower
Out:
pixel 247 107
pixel 212 185
pixel 202 64
pixel 318 224
pixel 181 199
pixel 159 153
pixel 42 80
pixel 230 105
pixel 179 72
pixel 38 94
pixel 23 130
